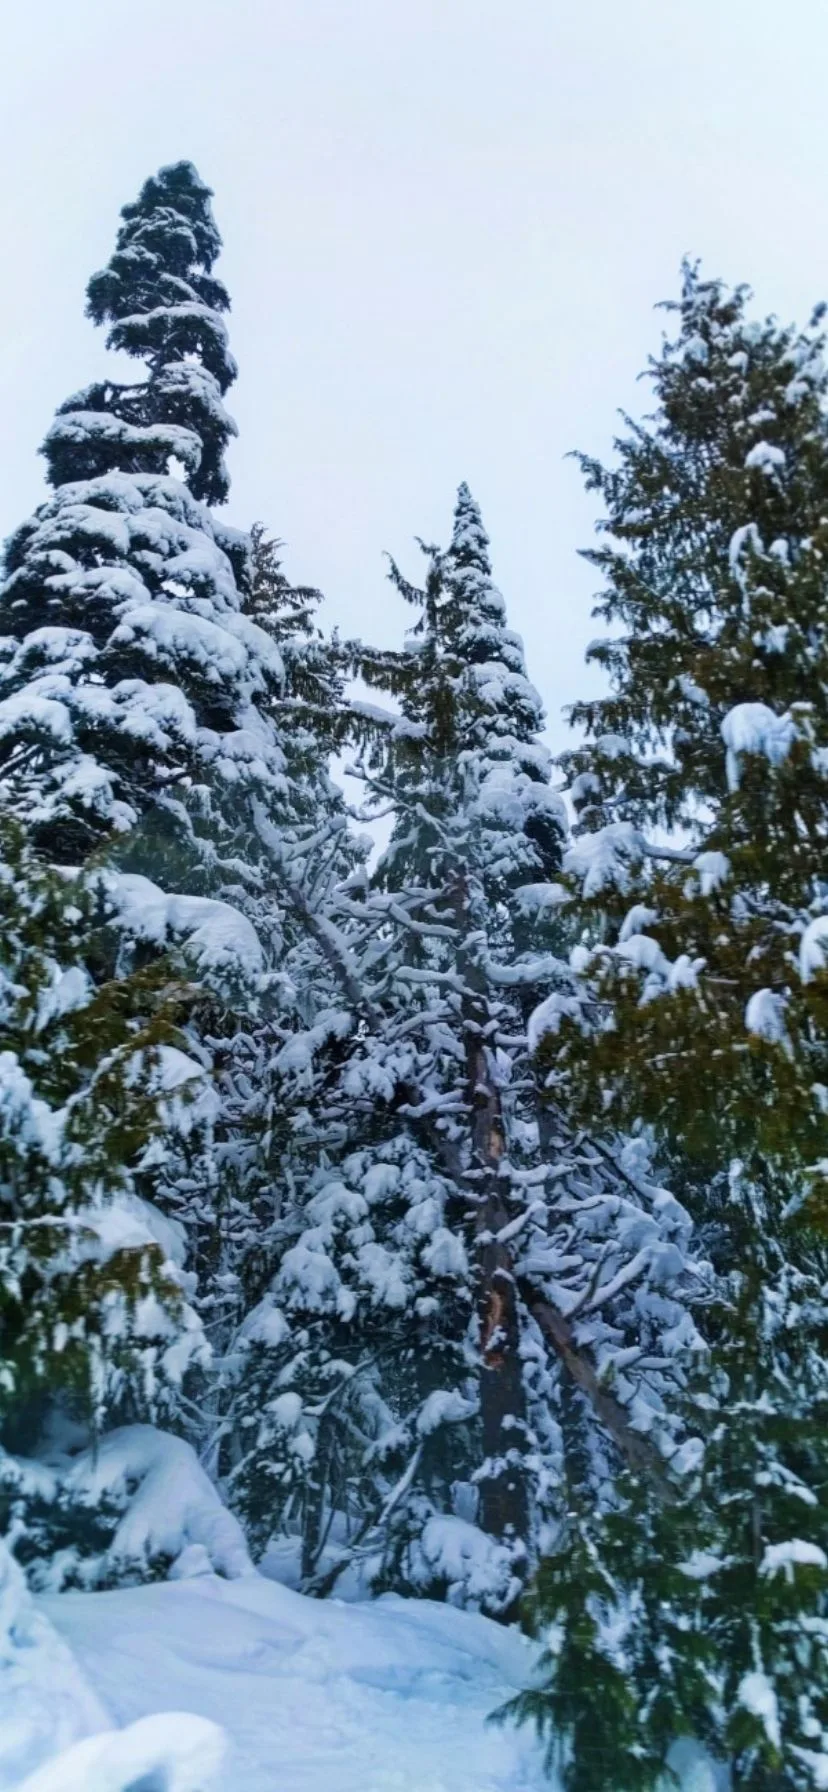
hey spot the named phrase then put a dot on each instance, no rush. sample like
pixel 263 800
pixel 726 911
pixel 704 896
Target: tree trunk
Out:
pixel 315 1502
pixel 504 1501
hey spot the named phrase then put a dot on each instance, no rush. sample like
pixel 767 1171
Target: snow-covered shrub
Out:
pixel 96 1318
pixel 136 1506
pixel 446 1557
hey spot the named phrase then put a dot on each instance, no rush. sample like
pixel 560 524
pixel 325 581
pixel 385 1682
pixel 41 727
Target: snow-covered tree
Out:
pixel 136 689
pixel 698 879
pixel 95 1320
pixel 450 1263
pixel 91 1065
pixel 311 696
pixel 715 733
pixel 273 1062
pixel 131 674
pixel 138 694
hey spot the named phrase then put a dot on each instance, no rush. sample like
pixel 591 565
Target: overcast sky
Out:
pixel 446 225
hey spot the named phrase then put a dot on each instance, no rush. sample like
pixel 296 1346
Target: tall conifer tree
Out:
pixel 275 1063
pixel 133 682
pixel 416 1330
pixel 699 877
pixel 131 674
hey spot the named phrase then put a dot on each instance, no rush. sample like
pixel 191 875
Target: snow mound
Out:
pixel 783 1558
pixel 391 1695
pixel 602 860
pixel 169 1753
pixel 713 870
pixel 549 1014
pixel 765 1016
pixel 766 457
pixel 172 1510
pixel 472 1567
pixel 388 1696
pixel 45 1702
pixel 813 951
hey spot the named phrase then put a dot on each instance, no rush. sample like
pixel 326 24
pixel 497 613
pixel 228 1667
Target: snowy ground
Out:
pixel 315 1697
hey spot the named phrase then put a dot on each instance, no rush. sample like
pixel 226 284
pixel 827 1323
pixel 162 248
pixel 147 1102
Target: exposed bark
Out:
pixel 637 1450
pixel 504 1503
pixel 314 1513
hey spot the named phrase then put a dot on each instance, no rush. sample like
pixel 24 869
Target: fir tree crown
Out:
pixel 164 306
pixel 131 675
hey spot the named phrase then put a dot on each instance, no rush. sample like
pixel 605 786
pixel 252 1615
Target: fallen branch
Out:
pixel 638 1451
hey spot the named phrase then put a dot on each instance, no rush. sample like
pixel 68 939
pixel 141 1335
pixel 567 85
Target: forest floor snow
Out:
pixel 390 1696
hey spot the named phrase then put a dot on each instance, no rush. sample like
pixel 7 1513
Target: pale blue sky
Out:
pixel 446 224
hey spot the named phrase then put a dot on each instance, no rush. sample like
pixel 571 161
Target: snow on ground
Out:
pixel 45 1700
pixel 169 1753
pixel 390 1696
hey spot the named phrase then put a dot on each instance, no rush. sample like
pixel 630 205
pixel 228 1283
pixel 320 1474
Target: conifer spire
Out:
pixel 165 307
pixel 474 626
pixel 132 679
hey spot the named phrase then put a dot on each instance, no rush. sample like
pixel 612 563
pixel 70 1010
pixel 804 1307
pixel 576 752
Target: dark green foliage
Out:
pixel 311 701
pixel 698 884
pixel 87 1302
pixel 703 1616
pixel 163 305
pixel 716 725
pixel 624 1669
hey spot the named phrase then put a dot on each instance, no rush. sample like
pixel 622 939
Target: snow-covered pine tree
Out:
pixel 699 870
pixel 274 1067
pixel 133 681
pixel 476 822
pixel 131 674
pixel 95 1324
pixel 410 1349
pixel 315 665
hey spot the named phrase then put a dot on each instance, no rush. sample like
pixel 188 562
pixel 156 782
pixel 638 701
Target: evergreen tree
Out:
pixel 313 688
pixel 98 1330
pixel 488 826
pixel 135 685
pixel 405 1399
pixel 715 730
pixel 139 697
pixel 699 885
pixel 274 1060
pixel 131 674
pixel 92 1308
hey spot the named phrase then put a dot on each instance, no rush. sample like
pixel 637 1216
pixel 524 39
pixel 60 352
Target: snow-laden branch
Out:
pixel 638 1451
